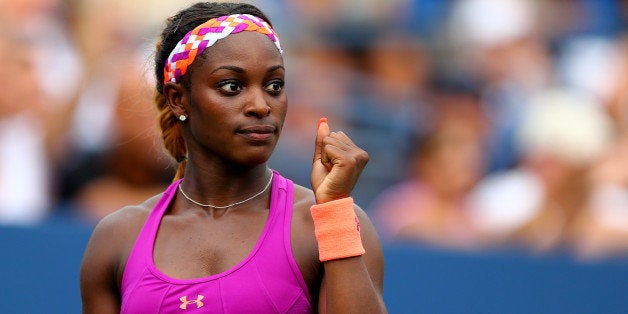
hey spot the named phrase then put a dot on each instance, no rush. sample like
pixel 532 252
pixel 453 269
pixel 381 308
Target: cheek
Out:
pixel 207 118
pixel 205 104
pixel 280 107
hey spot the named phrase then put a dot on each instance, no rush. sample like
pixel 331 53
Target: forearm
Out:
pixel 343 232
pixel 349 288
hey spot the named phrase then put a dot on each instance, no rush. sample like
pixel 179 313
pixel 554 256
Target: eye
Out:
pixel 230 87
pixel 275 87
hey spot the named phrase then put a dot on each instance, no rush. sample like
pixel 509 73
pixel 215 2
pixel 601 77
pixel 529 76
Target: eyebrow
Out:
pixel 241 70
pixel 275 68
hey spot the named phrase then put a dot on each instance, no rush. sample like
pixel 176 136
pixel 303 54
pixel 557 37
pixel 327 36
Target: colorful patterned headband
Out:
pixel 206 34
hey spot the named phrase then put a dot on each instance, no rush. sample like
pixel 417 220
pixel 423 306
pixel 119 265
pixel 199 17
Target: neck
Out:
pixel 221 185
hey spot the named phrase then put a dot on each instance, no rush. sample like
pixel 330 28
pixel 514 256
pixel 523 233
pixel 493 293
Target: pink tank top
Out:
pixel 268 280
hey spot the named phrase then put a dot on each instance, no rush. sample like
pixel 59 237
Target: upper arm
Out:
pixel 99 288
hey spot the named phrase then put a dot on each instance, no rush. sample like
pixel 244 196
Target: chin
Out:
pixel 254 155
pixel 258 159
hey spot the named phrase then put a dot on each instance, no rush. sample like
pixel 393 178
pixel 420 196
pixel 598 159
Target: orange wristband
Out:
pixel 337 230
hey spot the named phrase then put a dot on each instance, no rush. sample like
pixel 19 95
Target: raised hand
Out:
pixel 337 164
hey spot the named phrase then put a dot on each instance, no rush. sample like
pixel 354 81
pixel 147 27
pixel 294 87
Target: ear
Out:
pixel 175 95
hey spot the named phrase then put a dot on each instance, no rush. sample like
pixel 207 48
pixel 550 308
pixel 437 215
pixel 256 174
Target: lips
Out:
pixel 257 132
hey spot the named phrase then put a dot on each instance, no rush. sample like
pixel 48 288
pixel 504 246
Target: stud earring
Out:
pixel 183 117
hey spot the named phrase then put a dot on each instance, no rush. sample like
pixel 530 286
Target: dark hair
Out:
pixel 176 28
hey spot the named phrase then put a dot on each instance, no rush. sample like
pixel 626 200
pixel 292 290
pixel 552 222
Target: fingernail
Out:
pixel 323 119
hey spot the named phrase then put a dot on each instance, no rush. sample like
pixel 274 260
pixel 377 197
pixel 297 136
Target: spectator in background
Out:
pixel 542 205
pixel 25 195
pixel 387 108
pixel 113 157
pixel 508 54
pixel 58 97
pixel 606 231
pixel 430 205
pixel 42 23
pixel 37 81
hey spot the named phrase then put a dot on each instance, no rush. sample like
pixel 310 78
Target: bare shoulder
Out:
pixel 125 221
pixel 114 235
pixel 106 254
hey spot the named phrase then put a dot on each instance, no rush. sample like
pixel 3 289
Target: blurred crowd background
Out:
pixel 490 123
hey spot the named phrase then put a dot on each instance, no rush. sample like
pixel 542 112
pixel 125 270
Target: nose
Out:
pixel 257 105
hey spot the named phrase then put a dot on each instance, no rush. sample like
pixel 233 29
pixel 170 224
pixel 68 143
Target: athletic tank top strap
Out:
pixel 284 189
pixel 146 238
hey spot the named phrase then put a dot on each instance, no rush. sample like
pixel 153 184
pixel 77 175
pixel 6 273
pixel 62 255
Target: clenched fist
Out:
pixel 337 164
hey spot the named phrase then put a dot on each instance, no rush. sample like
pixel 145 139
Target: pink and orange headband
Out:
pixel 206 34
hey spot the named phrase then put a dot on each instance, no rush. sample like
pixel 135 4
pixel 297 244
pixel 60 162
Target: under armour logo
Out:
pixel 185 302
pixel 357 223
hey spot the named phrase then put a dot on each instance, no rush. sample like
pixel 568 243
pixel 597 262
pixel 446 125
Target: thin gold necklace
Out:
pixel 232 204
